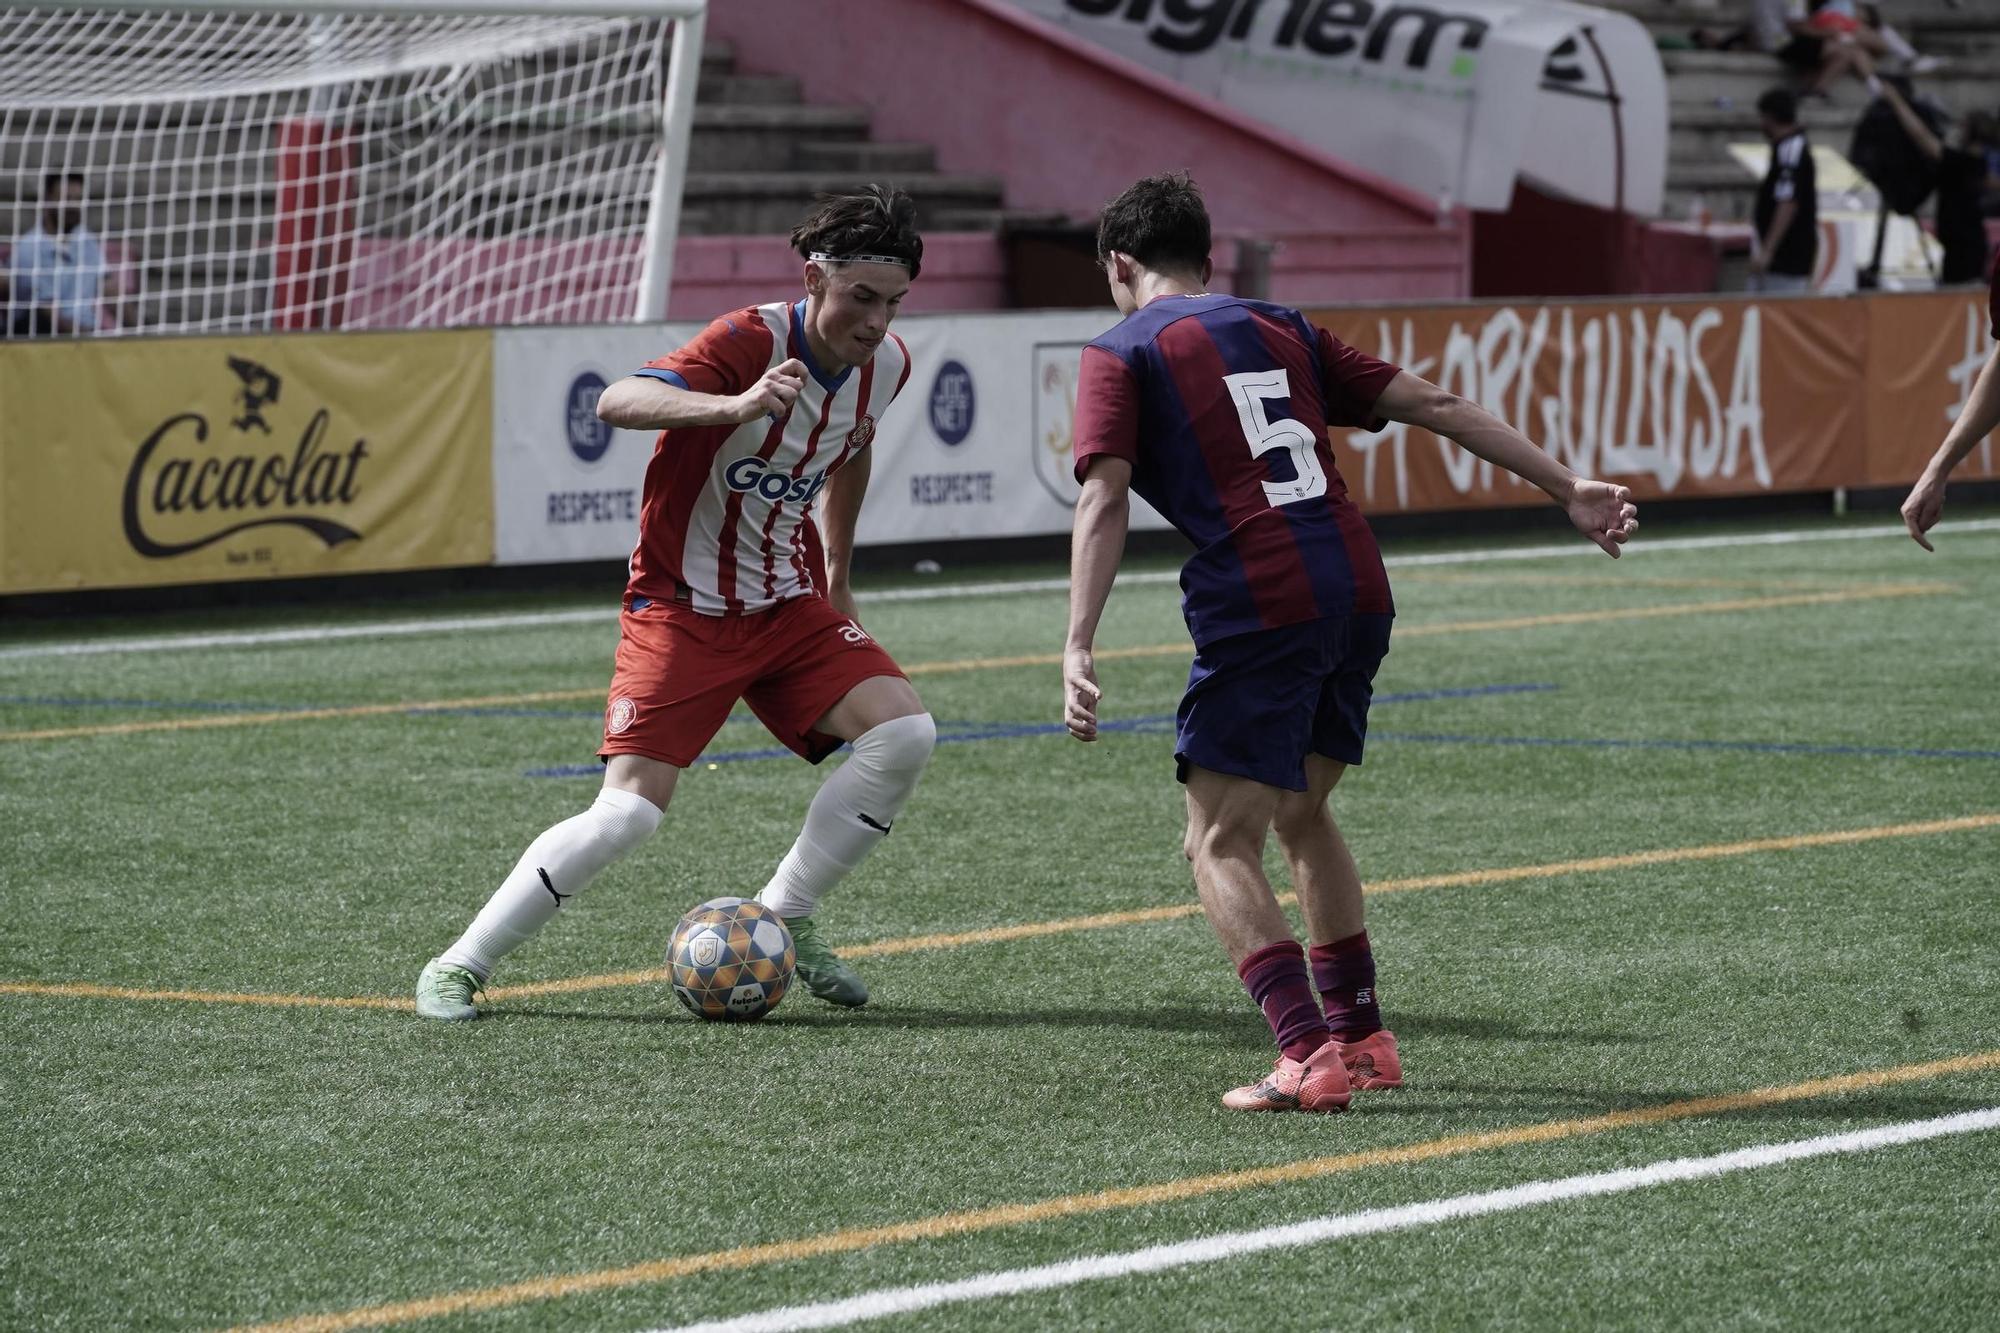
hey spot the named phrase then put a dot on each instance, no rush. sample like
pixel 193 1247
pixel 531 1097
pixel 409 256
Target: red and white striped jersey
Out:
pixel 725 523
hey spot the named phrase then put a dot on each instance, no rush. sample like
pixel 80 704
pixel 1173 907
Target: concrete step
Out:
pixel 748 89
pixel 865 158
pixel 1736 79
pixel 769 138
pixel 1705 132
pixel 1910 17
pixel 765 203
pixel 754 203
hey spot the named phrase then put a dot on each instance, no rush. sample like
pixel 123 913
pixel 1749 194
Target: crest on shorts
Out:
pixel 862 434
pixel 623 713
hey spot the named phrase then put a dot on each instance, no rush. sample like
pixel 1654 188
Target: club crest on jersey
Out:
pixel 754 475
pixel 623 714
pixel 863 433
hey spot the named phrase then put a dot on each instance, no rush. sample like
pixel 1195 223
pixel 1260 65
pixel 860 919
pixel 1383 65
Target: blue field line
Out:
pixel 1744 747
pixel 951 733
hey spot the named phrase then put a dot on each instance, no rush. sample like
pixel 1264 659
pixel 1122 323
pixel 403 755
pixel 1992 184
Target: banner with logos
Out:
pixel 976 446
pixel 1451 98
pixel 142 462
pixel 565 485
pixel 1674 399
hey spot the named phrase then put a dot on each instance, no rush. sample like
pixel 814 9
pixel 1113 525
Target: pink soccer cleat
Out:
pixel 1316 1083
pixel 1372 1061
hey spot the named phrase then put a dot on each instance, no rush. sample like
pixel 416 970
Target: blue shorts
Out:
pixel 1257 704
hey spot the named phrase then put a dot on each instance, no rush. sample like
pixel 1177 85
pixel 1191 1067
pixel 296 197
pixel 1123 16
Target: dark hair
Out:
pixel 1159 221
pixel 1780 105
pixel 879 220
pixel 53 182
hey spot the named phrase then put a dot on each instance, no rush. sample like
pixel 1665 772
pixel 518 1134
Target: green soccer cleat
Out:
pixel 821 969
pixel 445 991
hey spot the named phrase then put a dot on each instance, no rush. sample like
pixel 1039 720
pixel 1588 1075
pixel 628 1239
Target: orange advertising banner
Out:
pixel 1725 396
pixel 1924 352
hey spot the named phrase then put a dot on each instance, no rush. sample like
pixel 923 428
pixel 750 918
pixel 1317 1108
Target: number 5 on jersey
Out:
pixel 1250 389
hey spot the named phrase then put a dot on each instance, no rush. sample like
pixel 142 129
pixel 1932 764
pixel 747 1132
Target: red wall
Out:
pixel 1545 246
pixel 1066 125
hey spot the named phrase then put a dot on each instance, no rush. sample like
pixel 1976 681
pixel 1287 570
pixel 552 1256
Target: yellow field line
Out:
pixel 1524 578
pixel 295 715
pixel 1455 879
pixel 1063 925
pixel 210 723
pixel 89 991
pixel 1677 609
pixel 972 1221
pixel 1853 594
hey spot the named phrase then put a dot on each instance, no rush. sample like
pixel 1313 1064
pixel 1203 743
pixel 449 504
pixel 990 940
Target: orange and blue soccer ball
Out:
pixel 731 960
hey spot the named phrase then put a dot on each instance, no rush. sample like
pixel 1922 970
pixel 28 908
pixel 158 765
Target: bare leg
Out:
pixel 1228 818
pixel 1323 871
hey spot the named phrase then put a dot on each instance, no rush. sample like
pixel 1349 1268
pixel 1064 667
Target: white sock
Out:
pixel 852 812
pixel 1898 45
pixel 557 866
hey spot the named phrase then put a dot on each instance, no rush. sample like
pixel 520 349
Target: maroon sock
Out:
pixel 1275 976
pixel 1344 974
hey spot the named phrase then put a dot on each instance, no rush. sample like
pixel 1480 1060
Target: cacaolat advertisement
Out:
pixel 200 460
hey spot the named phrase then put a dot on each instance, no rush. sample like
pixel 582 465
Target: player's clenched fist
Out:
pixel 774 394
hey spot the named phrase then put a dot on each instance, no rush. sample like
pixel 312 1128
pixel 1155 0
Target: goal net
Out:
pixel 279 164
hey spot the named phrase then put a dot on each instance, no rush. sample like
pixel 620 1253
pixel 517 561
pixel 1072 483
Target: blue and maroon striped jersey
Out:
pixel 1222 406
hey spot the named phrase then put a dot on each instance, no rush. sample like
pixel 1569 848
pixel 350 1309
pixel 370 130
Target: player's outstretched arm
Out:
pixel 1601 511
pixel 1097 542
pixel 1925 504
pixel 840 514
pixel 640 402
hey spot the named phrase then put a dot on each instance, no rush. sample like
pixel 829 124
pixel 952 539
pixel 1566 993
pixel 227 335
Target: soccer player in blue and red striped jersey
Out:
pixel 1215 409
pixel 1924 505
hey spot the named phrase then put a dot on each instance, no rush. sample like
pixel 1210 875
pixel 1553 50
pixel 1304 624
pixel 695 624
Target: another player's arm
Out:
pixel 1981 416
pixel 1097 543
pixel 1601 511
pixel 840 514
pixel 640 402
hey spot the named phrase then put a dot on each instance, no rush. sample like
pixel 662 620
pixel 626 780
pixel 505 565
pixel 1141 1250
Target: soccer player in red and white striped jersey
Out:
pixel 737 591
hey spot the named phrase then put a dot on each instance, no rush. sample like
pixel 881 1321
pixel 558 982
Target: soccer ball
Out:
pixel 731 959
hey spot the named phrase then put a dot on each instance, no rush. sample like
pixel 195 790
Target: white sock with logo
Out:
pixel 557 866
pixel 852 812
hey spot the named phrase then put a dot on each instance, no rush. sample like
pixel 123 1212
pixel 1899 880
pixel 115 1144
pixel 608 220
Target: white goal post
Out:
pixel 290 164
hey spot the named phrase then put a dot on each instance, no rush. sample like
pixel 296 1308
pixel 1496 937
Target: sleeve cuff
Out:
pixel 664 376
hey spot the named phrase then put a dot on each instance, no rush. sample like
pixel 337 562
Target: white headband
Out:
pixel 824 258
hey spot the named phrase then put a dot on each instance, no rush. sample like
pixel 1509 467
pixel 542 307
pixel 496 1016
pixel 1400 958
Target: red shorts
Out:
pixel 679 672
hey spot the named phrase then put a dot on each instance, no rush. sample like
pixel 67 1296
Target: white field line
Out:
pixel 1210 1249
pixel 939 592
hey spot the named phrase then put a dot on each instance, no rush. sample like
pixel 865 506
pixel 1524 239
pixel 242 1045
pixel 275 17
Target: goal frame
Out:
pixel 656 274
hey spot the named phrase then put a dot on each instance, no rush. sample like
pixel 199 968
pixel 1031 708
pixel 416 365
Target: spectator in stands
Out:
pixel 1856 23
pixel 1781 29
pixel 1786 240
pixel 57 268
pixel 1961 178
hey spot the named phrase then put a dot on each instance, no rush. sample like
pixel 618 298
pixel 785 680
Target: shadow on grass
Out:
pixel 1235 1026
